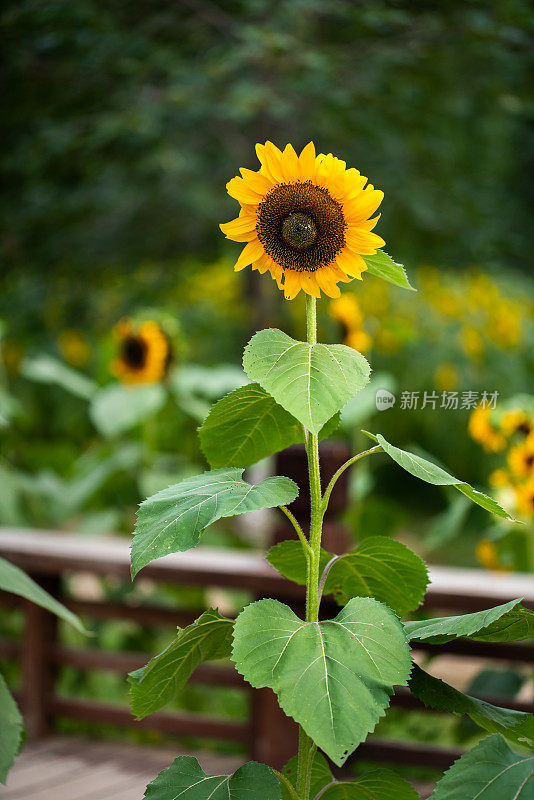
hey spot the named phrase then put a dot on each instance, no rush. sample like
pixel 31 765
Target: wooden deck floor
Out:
pixel 62 768
pixel 79 769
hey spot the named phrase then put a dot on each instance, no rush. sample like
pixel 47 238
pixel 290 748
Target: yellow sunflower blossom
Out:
pixel 516 421
pixel 521 458
pixel 305 218
pixel 481 430
pixel 446 377
pixel 346 310
pixel 499 478
pixel 144 352
pixel 525 497
pixel 487 555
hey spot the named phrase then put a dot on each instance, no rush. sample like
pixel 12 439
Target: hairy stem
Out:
pixel 306 746
pixel 341 470
pixel 300 533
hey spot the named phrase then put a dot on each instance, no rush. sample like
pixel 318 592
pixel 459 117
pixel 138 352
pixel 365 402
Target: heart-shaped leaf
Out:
pixel 383 266
pixel 246 426
pixel 185 779
pixel 335 677
pixel 507 623
pixel 173 519
pixel 490 771
pixel 518 726
pixel 380 567
pixel 209 637
pixel 431 473
pixel 312 382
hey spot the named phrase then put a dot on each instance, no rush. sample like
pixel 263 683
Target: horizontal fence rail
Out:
pixel 268 734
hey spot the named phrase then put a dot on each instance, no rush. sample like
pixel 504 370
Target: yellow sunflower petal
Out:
pixel 326 282
pixel 360 240
pixel 309 284
pixel 238 225
pixel 364 205
pixel 290 164
pixel 240 191
pixel 251 252
pixel 273 158
pixel 351 264
pixel 369 224
pixel 292 284
pixel 307 161
pixel 256 181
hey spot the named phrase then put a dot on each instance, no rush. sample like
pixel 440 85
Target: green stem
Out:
pixel 341 470
pixel 307 747
pixel 300 533
pixel 290 788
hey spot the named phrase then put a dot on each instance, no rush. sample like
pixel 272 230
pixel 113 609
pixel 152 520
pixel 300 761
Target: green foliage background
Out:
pixel 123 122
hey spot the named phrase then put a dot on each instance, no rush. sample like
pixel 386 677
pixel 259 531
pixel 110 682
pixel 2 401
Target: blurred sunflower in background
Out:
pixel 144 352
pixel 306 219
pixel 508 546
pixel 346 310
pixel 482 431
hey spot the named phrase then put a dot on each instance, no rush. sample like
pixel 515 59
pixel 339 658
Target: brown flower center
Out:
pixel 301 226
pixel 133 352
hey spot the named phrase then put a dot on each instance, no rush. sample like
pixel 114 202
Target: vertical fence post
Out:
pixel 274 736
pixel 40 632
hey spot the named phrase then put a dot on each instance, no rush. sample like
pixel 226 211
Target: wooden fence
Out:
pixel 270 737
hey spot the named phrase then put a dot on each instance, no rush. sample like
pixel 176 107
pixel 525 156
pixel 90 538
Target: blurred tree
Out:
pixel 124 120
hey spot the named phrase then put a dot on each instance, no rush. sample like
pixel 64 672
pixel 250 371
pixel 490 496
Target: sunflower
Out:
pixel 521 458
pixel 144 352
pixel 525 497
pixel 487 554
pixel 481 430
pixel 306 219
pixel 499 478
pixel 347 312
pixel 516 421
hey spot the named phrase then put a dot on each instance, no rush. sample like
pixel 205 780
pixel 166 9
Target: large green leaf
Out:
pixel 15 580
pixel 509 622
pixel 246 426
pixel 312 382
pixel 321 774
pixel 383 266
pixel 185 779
pixel 380 784
pixel 11 730
pixel 117 408
pixel 490 771
pixel 173 519
pixel 334 677
pixel 45 369
pixel 431 473
pixel 209 637
pixel 380 567
pixel 518 726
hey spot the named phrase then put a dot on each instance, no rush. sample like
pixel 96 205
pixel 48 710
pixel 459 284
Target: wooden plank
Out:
pixel 52 552
pixel 414 754
pixel 91 659
pixel 164 721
